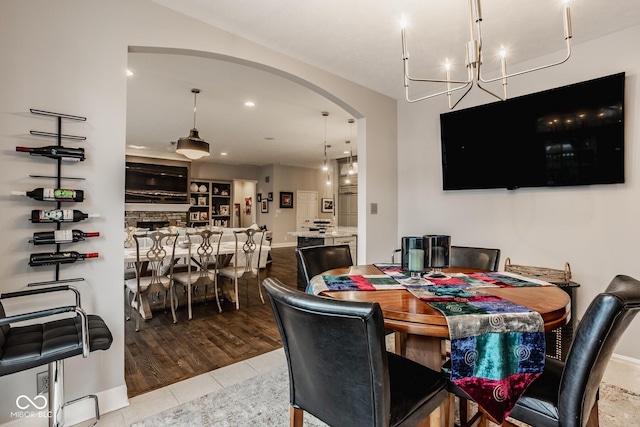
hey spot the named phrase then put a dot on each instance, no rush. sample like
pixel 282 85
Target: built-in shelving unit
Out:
pixel 210 203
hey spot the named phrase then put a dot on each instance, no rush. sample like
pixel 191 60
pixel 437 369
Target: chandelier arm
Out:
pixel 470 84
pixel 542 67
pixel 501 98
pixel 451 107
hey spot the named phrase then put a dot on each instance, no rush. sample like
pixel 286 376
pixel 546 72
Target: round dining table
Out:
pixel 422 328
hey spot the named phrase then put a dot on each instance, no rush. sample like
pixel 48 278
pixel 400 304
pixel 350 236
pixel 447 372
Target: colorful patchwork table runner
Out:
pixel 497 347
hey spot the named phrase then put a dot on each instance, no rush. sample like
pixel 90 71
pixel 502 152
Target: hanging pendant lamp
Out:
pixel 193 146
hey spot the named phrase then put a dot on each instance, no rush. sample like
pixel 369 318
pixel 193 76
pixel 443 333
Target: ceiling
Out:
pixel 355 39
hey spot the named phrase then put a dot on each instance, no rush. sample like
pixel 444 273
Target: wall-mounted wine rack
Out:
pixel 59 137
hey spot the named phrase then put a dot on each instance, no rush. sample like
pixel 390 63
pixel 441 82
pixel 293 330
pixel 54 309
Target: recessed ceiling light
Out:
pixel 137 147
pixel 345 152
pixel 130 73
pixel 249 104
pixel 269 138
pixel 223 154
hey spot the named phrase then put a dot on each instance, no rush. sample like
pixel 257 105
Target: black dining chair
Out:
pixel 566 393
pixel 339 369
pixel 481 258
pixel 50 343
pixel 313 260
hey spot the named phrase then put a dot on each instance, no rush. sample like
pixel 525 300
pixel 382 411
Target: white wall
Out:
pixel 70 56
pixel 593 228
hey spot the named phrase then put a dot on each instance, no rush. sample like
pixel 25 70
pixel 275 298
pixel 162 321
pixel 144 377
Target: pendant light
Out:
pixel 193 146
pixel 325 163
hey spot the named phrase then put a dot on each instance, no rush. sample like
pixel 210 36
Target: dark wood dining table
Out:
pixel 420 329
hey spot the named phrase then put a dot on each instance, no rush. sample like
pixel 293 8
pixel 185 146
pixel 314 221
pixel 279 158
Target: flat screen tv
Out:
pixel 572 135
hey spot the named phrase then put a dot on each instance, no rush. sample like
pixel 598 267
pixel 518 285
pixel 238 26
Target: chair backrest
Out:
pixel 207 250
pixel 338 367
pixel 313 260
pixel 480 258
pixel 248 250
pixel 155 254
pixel 601 327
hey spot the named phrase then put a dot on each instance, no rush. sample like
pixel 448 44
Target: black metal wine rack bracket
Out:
pixel 59 136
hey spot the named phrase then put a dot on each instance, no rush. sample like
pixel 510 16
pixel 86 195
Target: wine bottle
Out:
pixel 56 152
pixel 52 194
pixel 60 215
pixel 61 236
pixel 52 258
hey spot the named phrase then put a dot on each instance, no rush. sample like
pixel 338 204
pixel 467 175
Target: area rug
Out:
pixel 264 401
pixel 259 401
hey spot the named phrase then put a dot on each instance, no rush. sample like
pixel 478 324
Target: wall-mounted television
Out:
pixel 572 135
pixel 156 183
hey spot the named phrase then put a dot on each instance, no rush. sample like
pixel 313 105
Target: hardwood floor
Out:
pixel 163 353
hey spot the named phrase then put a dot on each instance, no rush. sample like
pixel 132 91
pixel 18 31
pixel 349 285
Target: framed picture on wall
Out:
pixel 259 197
pixel 286 200
pixel 327 205
pixel 264 206
pixel 270 196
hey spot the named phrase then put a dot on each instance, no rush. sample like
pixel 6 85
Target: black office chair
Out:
pixel 313 260
pixel 26 347
pixel 339 370
pixel 566 393
pixel 480 258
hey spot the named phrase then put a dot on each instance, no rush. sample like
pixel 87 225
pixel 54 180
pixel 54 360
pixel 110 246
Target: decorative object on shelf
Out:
pixel 52 194
pixel 438 250
pixel 327 205
pixel 52 258
pixel 474 60
pixel 286 200
pixel 203 201
pixel 224 210
pixel 194 216
pixel 202 188
pixel 71 154
pixel 194 187
pixel 216 190
pixel 60 215
pixel 270 196
pixel 264 206
pixel 192 201
pixel 204 216
pixel 193 146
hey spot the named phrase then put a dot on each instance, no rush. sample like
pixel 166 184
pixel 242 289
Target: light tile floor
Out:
pixel 175 394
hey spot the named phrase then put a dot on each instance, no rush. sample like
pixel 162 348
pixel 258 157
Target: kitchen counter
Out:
pixel 337 232
pixel 337 236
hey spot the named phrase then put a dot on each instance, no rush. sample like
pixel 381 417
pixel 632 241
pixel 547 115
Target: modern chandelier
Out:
pixel 193 146
pixel 473 60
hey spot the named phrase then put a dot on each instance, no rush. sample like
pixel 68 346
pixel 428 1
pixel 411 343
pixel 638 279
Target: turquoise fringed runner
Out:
pixel 497 347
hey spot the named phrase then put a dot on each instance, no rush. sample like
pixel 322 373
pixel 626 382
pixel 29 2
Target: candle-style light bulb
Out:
pixel 503 63
pixel 403 21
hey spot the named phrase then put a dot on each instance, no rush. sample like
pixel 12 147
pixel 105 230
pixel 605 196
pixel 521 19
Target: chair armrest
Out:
pixel 35 314
pixel 37 291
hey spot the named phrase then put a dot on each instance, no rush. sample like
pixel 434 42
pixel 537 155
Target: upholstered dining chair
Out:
pixel 249 257
pixel 205 272
pixel 313 260
pixel 155 255
pixel 50 342
pixel 472 257
pixel 566 393
pixel 339 370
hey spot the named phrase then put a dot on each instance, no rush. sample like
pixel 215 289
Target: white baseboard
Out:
pixel 623 372
pixel 109 400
